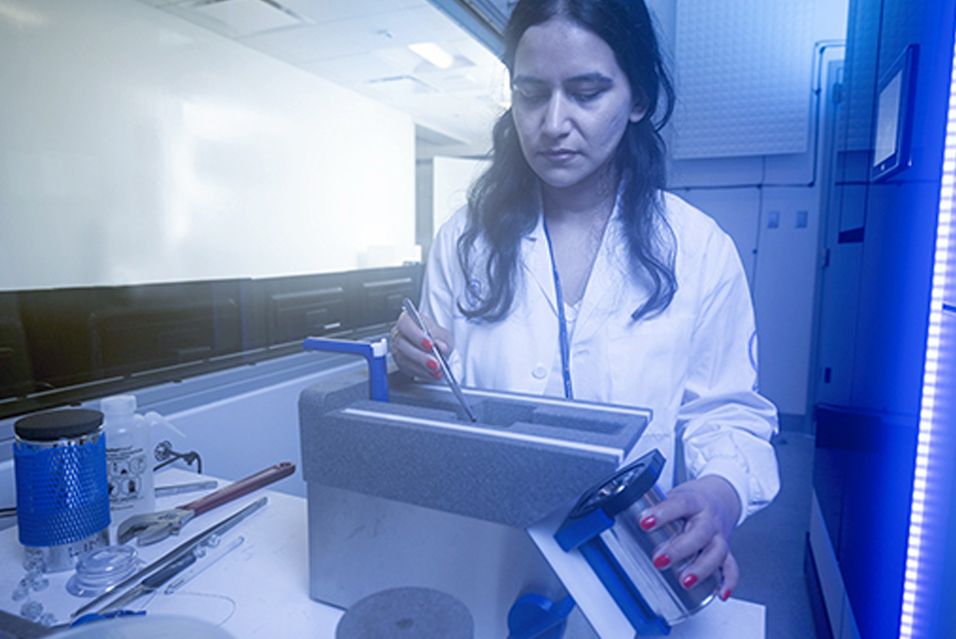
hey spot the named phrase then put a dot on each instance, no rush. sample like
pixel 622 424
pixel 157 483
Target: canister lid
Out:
pixel 118 405
pixel 57 424
pixel 624 488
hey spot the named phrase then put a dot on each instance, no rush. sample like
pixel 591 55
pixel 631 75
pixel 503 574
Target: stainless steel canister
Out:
pixel 63 505
pixel 623 498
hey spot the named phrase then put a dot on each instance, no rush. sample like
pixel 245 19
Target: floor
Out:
pixel 769 546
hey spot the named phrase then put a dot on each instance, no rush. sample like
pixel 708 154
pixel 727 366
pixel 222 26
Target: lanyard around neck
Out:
pixel 563 341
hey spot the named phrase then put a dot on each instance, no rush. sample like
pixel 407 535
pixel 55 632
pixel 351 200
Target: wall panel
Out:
pixel 163 152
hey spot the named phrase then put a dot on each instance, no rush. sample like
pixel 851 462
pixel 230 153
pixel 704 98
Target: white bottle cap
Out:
pixel 118 405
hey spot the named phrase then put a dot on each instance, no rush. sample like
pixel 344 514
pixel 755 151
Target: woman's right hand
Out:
pixel 412 351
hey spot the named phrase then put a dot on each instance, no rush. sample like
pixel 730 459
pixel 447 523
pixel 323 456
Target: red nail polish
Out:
pixel 648 522
pixel 661 562
pixel 725 595
pixel 689 581
pixel 426 344
pixel 433 365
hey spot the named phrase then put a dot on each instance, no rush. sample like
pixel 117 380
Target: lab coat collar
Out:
pixel 604 290
pixel 602 283
pixel 536 257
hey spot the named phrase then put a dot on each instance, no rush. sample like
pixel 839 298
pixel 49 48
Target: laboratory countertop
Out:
pixel 261 589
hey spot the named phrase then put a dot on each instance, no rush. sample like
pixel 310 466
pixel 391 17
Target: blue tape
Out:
pixel 102 616
pixel 62 493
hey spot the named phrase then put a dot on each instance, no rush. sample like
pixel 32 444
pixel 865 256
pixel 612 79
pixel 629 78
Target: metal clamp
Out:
pixel 165 454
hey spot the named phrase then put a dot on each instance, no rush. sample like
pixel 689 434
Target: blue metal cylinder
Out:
pixel 62 492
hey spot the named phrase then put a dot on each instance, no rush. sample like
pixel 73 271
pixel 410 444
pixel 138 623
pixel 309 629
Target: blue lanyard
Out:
pixel 563 340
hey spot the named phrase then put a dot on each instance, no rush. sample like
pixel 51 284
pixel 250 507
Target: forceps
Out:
pixel 409 307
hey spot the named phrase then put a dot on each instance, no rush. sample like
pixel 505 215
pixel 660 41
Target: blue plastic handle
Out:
pixel 100 616
pixel 534 616
pixel 374 353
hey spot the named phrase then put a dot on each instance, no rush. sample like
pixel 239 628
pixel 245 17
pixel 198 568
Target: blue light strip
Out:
pixel 928 508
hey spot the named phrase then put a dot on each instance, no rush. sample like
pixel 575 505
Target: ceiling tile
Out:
pixel 329 10
pixel 246 17
pixel 363 45
pixel 355 69
pixel 352 36
pixel 356 35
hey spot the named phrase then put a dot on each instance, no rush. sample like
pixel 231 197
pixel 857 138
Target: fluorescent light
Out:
pixel 925 515
pixel 434 54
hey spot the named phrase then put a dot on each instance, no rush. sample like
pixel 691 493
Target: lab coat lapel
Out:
pixel 603 292
pixel 536 260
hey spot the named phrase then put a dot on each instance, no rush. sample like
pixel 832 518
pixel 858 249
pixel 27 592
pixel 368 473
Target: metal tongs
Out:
pixel 409 307
pixel 154 527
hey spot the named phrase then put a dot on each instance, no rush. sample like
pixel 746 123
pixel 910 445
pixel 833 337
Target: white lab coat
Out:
pixel 693 366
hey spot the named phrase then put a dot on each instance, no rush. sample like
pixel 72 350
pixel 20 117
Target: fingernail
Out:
pixel 662 561
pixel 426 344
pixel 648 522
pixel 689 581
pixel 432 364
pixel 725 595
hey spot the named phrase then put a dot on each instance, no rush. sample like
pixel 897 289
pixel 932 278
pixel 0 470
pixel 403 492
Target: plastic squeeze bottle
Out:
pixel 129 467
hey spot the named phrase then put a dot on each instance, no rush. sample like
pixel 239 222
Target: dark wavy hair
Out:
pixel 501 205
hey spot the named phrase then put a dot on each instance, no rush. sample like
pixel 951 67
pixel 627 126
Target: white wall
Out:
pixel 140 148
pixel 450 182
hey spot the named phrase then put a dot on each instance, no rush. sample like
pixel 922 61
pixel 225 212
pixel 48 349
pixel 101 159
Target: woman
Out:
pixel 572 273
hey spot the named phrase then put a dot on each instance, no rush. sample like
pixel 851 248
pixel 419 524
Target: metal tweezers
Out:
pixel 179 553
pixel 409 307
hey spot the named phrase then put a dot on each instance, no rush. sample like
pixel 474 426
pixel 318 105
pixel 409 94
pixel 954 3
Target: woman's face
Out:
pixel 571 102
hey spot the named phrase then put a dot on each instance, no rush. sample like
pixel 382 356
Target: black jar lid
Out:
pixel 624 488
pixel 58 424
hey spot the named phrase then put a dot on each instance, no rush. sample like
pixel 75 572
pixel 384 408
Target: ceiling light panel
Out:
pixel 433 53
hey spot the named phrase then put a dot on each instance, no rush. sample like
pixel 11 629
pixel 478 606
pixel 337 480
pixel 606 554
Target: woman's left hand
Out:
pixel 710 508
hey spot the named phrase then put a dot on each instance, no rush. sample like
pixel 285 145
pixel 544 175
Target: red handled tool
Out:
pixel 154 527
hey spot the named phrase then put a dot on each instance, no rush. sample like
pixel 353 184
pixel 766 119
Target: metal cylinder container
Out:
pixel 623 498
pixel 63 507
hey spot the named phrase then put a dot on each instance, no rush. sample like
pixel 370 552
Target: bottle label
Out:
pixel 125 468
